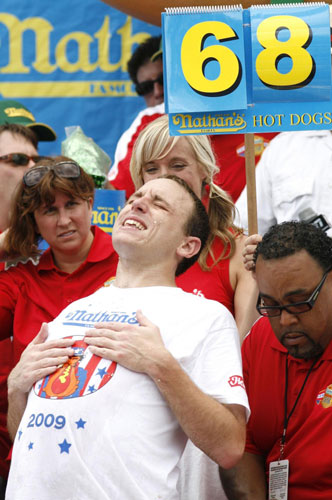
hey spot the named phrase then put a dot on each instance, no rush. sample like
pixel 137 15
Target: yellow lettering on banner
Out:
pixel 267 120
pixel 294 119
pixel 105 218
pixel 128 40
pixel 83 41
pixel 208 124
pixel 16 28
pixel 42 30
pixel 327 118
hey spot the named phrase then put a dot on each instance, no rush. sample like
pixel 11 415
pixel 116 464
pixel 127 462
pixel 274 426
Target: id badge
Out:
pixel 278 480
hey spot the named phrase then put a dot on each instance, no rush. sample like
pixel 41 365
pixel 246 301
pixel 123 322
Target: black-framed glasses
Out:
pixel 296 307
pixel 67 169
pixel 20 159
pixel 146 87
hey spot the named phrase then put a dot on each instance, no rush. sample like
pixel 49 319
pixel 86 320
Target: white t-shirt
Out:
pixel 96 430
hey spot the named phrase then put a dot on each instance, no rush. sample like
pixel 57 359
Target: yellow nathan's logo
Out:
pixel 49 60
pixel 13 112
pixel 208 123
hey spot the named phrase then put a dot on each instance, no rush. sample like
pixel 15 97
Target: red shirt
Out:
pixel 228 150
pixel 32 294
pixel 212 284
pixel 308 444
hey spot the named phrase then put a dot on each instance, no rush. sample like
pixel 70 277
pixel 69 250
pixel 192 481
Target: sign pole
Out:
pixel 249 143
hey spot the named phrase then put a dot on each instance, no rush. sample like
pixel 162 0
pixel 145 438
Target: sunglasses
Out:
pixel 20 159
pixel 146 87
pixel 67 169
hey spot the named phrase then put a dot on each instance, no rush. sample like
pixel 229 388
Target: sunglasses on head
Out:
pixel 146 87
pixel 67 169
pixel 20 159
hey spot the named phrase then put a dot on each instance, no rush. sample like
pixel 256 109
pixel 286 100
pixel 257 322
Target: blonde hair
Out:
pixel 154 143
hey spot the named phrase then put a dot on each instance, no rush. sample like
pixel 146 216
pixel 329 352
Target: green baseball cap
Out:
pixel 15 112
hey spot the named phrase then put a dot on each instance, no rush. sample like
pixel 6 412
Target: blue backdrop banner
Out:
pixel 66 61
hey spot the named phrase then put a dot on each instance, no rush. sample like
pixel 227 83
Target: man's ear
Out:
pixel 189 247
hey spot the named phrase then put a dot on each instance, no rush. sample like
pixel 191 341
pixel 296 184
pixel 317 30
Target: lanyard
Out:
pixel 287 418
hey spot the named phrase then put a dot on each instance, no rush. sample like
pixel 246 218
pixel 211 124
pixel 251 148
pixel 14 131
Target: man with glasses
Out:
pixel 287 362
pixel 19 136
pixel 145 68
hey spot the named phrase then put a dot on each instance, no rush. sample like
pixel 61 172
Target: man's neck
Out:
pixel 133 275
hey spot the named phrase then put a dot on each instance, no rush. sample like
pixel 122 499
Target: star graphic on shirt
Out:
pixel 92 388
pixel 30 445
pixel 101 372
pixel 19 434
pixel 64 446
pixel 80 423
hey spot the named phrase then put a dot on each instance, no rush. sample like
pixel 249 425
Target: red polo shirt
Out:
pixel 308 445
pixel 32 294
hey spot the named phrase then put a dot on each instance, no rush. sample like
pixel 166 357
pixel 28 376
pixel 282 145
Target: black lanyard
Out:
pixel 287 418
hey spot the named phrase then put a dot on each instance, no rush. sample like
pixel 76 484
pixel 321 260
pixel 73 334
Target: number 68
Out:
pixel 195 57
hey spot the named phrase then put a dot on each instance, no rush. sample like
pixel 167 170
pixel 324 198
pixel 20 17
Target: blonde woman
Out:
pixel 219 274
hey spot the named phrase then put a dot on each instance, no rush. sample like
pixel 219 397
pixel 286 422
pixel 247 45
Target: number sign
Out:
pixel 224 65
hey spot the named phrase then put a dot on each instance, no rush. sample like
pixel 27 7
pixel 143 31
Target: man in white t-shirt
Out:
pixel 113 397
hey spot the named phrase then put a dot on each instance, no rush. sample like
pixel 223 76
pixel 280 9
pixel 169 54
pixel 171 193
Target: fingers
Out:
pixel 143 320
pixel 253 239
pixel 248 253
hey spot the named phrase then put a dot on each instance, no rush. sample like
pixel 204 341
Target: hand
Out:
pixel 249 249
pixel 38 360
pixel 136 347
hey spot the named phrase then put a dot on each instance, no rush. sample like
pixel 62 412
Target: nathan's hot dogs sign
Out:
pixel 234 70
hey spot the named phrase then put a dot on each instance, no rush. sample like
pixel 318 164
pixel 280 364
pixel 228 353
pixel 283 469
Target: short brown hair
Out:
pixel 197 224
pixel 22 238
pixel 17 129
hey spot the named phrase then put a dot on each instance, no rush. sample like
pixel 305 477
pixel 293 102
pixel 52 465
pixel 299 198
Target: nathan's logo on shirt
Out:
pixel 88 319
pixel 324 397
pixel 236 381
pixel 83 374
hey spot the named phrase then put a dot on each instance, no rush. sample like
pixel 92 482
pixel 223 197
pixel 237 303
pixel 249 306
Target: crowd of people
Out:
pixel 177 358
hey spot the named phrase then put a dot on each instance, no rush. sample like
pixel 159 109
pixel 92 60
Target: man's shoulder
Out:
pixel 288 139
pixel 214 314
pixel 143 118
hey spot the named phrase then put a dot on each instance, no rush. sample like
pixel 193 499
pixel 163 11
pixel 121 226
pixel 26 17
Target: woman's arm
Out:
pixel 245 290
